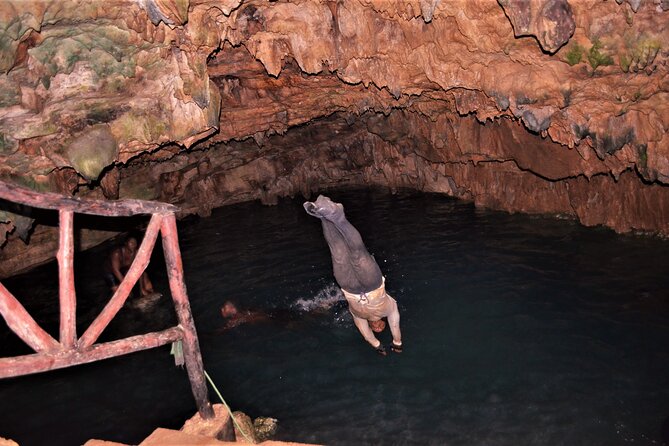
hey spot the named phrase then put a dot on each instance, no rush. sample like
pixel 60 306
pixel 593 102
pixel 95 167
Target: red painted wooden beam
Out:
pixel 191 347
pixel 67 293
pixel 138 266
pixel 50 200
pixel 21 323
pixel 42 362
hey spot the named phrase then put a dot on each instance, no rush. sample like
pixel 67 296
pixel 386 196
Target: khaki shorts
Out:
pixel 372 306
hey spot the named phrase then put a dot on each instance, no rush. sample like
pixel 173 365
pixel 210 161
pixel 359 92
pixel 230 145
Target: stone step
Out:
pixel 197 431
pixel 169 437
pixel 102 443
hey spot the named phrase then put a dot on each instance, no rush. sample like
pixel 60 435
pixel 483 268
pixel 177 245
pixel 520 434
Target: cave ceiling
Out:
pixel 540 106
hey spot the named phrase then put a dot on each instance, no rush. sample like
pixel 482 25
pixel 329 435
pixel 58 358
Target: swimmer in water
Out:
pixel 358 275
pixel 234 317
pixel 117 264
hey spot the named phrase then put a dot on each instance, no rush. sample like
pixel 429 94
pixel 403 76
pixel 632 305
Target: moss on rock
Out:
pixel 108 50
pixel 141 127
pixel 92 151
pixel 574 55
pixel 639 53
pixel 10 94
pixel 597 57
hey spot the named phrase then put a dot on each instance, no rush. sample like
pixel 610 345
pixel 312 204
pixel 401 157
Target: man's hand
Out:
pixel 396 348
pixel 381 350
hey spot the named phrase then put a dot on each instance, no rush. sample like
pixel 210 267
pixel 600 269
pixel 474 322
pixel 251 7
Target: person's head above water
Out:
pixel 229 309
pixel 130 244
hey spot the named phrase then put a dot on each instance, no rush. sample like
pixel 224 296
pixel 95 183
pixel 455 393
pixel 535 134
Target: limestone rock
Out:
pixel 265 428
pixel 219 427
pixel 550 21
pixel 172 12
pixel 244 430
pixel 92 151
pixel 211 102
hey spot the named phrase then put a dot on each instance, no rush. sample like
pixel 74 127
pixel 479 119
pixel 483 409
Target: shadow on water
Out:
pixel 517 330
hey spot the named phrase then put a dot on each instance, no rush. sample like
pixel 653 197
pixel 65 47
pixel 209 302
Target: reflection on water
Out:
pixel 517 330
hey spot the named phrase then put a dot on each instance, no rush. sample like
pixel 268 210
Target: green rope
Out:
pixel 234 421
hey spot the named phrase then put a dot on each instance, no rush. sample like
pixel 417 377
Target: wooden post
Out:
pixel 21 323
pixel 67 293
pixel 191 347
pixel 137 268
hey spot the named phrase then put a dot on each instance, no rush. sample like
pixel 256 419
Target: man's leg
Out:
pixel 359 255
pixel 354 268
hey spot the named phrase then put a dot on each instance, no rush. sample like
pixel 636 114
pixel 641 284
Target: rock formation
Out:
pixel 539 106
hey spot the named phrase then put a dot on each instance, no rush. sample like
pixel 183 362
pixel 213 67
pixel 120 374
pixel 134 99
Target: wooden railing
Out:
pixel 72 350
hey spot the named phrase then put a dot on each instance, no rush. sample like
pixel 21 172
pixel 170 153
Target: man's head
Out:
pixel 229 309
pixel 377 326
pixel 131 244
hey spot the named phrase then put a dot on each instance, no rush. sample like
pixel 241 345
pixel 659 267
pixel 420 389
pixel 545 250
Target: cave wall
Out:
pixel 541 106
pixel 486 164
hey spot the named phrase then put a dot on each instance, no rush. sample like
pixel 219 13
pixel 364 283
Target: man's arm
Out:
pixel 145 285
pixel 116 265
pixel 394 323
pixel 368 334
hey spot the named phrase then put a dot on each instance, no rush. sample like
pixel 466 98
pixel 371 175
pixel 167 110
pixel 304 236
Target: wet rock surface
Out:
pixel 244 430
pixel 265 428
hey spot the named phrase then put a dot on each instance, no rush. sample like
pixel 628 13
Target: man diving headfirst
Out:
pixel 357 274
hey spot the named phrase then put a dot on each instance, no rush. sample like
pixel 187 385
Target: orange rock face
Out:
pixel 549 106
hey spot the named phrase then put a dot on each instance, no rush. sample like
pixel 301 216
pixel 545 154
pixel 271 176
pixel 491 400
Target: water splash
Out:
pixel 324 300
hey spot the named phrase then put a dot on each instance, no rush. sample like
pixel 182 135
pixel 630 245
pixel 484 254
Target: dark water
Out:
pixel 517 330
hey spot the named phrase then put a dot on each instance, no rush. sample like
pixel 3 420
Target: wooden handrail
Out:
pixel 70 351
pixel 37 362
pixel 21 323
pixel 50 200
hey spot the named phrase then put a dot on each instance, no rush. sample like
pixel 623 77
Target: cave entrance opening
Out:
pixel 72 350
